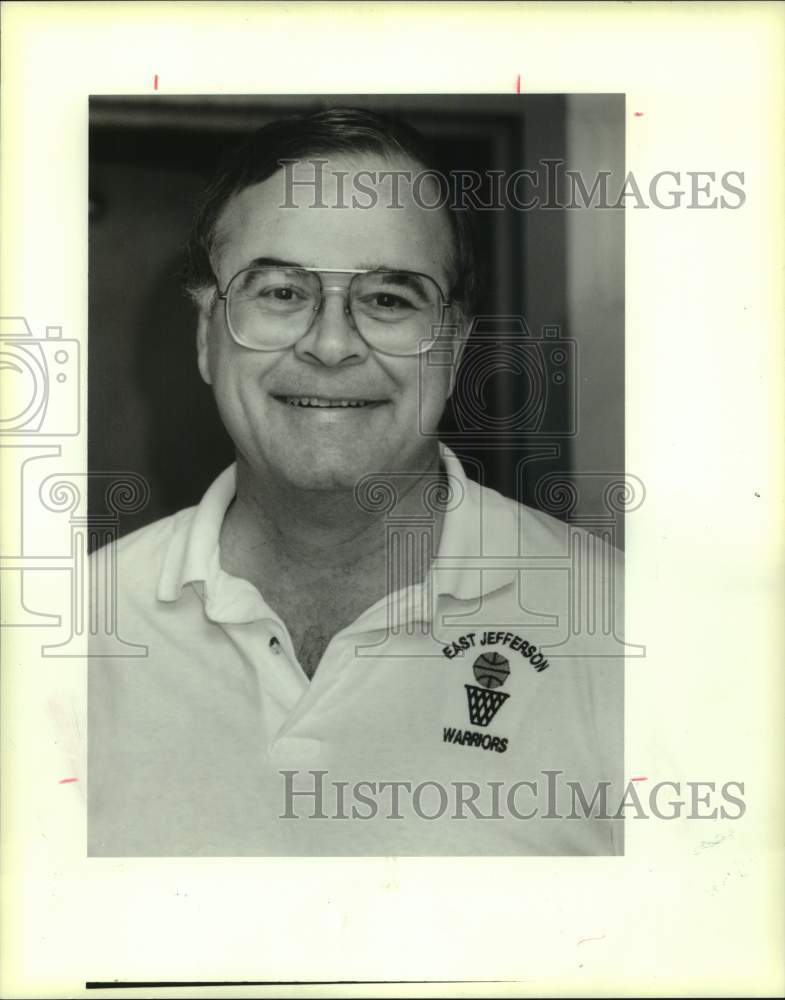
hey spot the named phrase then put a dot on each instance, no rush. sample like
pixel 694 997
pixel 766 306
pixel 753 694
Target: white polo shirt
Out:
pixel 476 714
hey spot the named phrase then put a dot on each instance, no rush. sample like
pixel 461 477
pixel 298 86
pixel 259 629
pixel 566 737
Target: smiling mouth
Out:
pixel 320 402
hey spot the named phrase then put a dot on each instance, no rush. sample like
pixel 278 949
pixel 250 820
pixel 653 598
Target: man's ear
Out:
pixel 460 324
pixel 203 343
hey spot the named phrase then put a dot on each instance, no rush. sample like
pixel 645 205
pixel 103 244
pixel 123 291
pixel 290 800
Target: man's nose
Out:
pixel 332 338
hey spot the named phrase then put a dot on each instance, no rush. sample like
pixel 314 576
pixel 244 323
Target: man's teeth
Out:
pixel 315 401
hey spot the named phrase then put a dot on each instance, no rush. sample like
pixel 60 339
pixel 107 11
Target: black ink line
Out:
pixel 136 984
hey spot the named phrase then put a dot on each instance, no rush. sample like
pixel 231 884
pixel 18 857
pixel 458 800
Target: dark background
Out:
pixel 149 411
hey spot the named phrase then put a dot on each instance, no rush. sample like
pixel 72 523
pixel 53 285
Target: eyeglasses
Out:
pixel 395 312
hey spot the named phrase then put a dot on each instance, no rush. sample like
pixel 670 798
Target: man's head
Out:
pixel 286 406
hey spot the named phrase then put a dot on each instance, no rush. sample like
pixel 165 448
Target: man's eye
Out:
pixel 282 294
pixel 386 300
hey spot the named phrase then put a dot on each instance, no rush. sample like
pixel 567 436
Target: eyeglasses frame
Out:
pixel 319 271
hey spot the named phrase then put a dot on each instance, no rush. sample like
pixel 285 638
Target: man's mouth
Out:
pixel 321 402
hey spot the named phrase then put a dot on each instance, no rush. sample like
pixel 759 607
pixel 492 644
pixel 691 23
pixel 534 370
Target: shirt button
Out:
pixel 275 645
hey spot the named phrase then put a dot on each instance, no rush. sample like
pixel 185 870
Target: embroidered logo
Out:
pixel 491 670
pixel 508 639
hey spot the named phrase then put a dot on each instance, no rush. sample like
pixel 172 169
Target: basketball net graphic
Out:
pixel 484 704
pixel 491 670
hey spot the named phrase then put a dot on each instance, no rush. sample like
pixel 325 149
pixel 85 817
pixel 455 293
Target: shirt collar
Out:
pixel 193 557
pixel 468 532
pixel 478 524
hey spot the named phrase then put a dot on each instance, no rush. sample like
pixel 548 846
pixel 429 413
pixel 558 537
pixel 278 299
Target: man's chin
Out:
pixel 324 475
pixel 327 469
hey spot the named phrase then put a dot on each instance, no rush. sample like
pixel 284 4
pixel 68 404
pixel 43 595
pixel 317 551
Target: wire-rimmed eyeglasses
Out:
pixel 398 312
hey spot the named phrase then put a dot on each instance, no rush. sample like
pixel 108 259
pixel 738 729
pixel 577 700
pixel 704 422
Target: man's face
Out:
pixel 327 447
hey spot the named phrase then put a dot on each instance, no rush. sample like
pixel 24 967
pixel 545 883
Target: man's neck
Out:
pixel 273 527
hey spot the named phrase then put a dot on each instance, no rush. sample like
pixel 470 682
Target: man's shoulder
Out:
pixel 533 532
pixel 147 539
pixel 138 557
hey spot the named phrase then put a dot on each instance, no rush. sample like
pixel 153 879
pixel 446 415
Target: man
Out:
pixel 343 654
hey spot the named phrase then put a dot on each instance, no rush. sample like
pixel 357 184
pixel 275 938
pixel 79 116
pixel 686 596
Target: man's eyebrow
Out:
pixel 410 280
pixel 386 269
pixel 278 262
pixel 392 275
pixel 398 277
pixel 272 262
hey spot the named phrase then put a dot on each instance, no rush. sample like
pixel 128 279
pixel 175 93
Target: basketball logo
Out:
pixel 491 670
